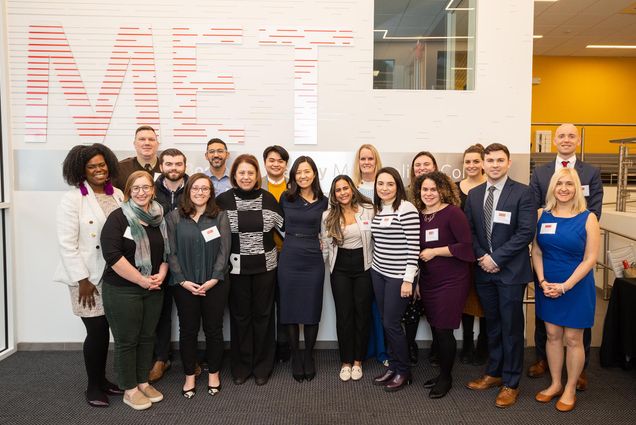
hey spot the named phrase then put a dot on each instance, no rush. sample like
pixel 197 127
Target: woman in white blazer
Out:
pixel 80 217
pixel 347 248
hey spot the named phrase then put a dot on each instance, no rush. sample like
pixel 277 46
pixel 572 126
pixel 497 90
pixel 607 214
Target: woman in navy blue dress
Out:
pixel 564 254
pixel 301 270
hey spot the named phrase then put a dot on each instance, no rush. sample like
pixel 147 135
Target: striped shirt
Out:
pixel 396 241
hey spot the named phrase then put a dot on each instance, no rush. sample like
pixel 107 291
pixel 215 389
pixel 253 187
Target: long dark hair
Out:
pixel 335 216
pixel 400 194
pixel 293 190
pixel 187 208
pixel 74 166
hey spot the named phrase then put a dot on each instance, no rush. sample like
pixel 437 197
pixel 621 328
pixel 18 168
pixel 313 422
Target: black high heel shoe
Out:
pixel 189 393
pixel 298 371
pixel 214 390
pixel 310 367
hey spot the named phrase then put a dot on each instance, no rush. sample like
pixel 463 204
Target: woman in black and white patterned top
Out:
pixel 395 230
pixel 254 216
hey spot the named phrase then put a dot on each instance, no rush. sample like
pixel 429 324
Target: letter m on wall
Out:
pixel 50 54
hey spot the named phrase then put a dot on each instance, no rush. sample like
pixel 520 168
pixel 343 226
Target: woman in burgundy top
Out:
pixel 445 259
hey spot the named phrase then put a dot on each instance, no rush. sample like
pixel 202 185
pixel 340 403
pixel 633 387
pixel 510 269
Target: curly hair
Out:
pixel 74 165
pixel 448 192
pixel 335 216
pixel 187 208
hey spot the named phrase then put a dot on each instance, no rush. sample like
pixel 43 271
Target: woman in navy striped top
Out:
pixel 395 230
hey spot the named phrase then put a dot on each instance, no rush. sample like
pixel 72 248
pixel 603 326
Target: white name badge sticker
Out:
pixel 502 217
pixel 365 225
pixel 128 233
pixel 432 235
pixel 210 233
pixel 548 228
pixel 586 189
pixel 157 175
pixel 386 221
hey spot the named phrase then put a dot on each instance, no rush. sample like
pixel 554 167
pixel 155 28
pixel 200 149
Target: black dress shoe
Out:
pixel 309 366
pixel 399 381
pixel 299 378
pixel 431 382
pixel 261 381
pixel 384 379
pixel 239 380
pixel 440 389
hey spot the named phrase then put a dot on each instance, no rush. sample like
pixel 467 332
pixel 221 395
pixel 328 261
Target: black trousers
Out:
pixel 96 350
pixel 252 324
pixel 352 294
pixel 541 337
pixel 163 333
pixel 192 310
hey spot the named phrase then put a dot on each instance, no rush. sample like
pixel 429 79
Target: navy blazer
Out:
pixel 589 175
pixel 509 241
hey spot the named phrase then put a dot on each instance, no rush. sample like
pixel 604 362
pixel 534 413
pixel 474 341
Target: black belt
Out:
pixel 303 235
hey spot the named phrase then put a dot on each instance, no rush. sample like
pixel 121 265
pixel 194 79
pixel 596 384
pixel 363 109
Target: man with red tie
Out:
pixel 566 140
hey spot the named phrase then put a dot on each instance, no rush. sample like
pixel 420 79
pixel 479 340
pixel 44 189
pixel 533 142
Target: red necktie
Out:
pixel 565 163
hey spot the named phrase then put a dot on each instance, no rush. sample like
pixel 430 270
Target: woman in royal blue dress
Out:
pixel 564 254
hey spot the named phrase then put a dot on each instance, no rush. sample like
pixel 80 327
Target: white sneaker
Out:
pixel 356 373
pixel 345 373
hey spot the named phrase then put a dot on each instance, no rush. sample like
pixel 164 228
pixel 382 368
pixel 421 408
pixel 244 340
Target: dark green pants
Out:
pixel 133 313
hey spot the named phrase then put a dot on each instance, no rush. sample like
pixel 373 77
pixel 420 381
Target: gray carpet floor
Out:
pixel 47 388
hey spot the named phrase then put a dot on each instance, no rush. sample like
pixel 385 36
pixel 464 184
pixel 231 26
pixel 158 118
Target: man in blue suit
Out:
pixel 503 217
pixel 566 140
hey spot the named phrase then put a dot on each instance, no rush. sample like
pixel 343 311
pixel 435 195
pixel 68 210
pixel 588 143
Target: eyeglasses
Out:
pixel 217 151
pixel 145 189
pixel 202 189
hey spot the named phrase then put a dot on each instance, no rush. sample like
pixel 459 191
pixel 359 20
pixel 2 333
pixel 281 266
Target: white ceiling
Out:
pixel 567 26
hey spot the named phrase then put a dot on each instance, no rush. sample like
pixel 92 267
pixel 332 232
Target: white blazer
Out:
pixel 330 250
pixel 79 225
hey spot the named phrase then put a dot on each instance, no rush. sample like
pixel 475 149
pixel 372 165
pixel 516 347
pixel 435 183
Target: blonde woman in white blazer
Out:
pixel 347 249
pixel 80 217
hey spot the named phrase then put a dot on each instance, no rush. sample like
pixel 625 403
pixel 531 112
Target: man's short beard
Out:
pixel 167 176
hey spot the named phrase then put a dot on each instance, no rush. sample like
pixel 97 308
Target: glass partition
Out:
pixel 424 44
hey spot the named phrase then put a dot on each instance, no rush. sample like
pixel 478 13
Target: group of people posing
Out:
pixel 136 234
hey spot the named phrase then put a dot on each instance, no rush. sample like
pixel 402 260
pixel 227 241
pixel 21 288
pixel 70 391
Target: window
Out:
pixel 424 44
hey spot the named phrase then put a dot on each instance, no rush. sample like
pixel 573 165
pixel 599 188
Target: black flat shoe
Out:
pixel 309 366
pixel 310 376
pixel 440 389
pixel 111 389
pixel 96 399
pixel 214 390
pixel 239 380
pixel 261 381
pixel 431 382
pixel 299 378
pixel 189 393
pixel 384 379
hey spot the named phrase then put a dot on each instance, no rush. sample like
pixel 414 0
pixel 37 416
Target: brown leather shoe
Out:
pixel 581 383
pixel 158 369
pixel 507 397
pixel 562 407
pixel 538 369
pixel 542 397
pixel 484 383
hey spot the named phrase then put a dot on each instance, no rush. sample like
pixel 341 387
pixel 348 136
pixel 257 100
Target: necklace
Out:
pixel 429 217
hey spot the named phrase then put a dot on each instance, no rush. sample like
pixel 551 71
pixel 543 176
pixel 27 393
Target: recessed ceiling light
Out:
pixel 610 46
pixel 537 36
pixel 546 1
